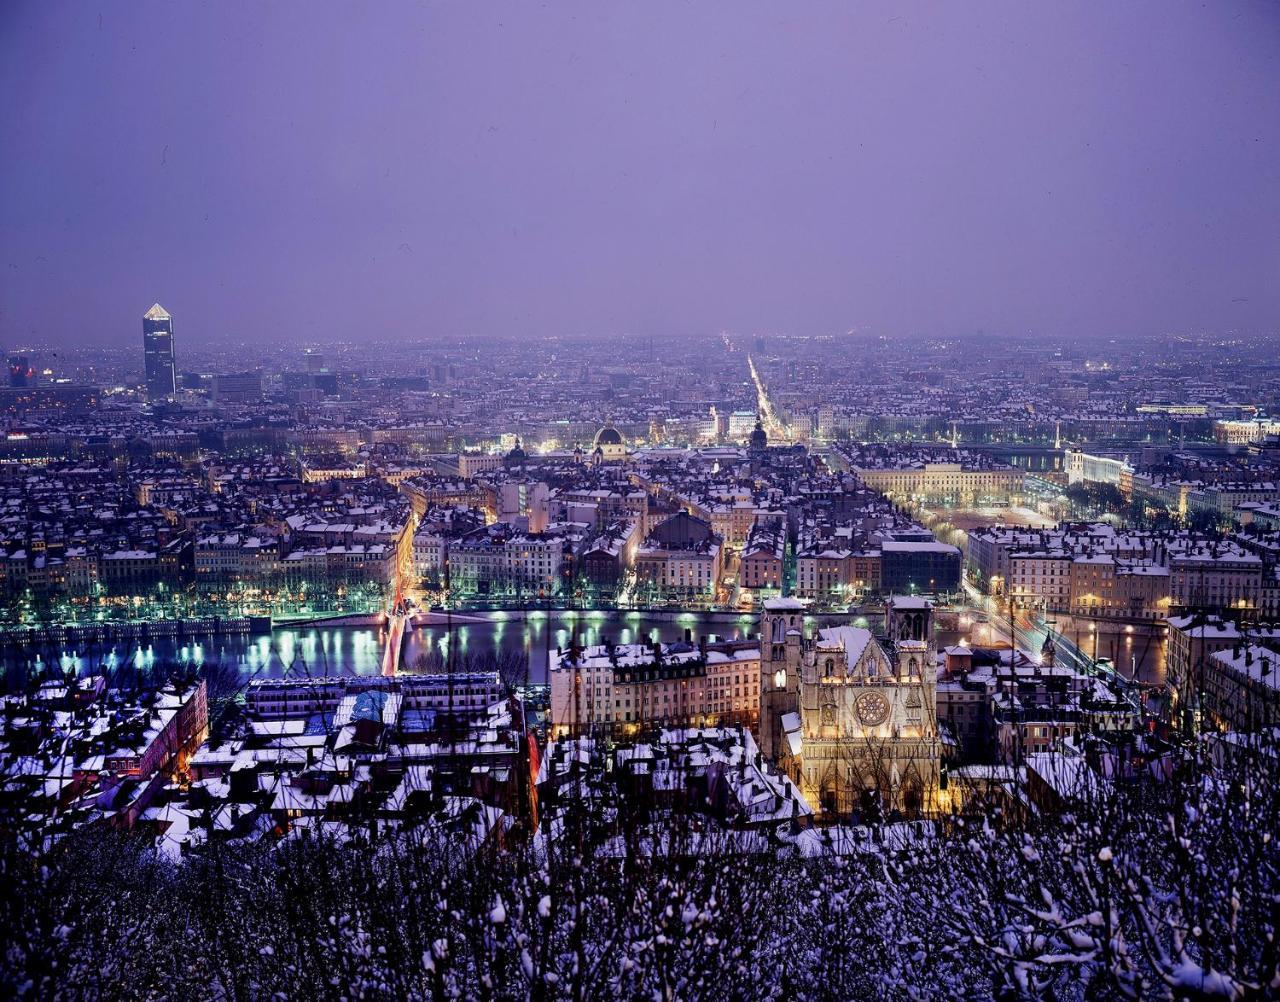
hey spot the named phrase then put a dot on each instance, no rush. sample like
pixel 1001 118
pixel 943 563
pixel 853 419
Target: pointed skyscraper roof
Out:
pixel 157 312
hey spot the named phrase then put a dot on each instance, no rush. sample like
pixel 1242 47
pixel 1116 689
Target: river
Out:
pixel 345 650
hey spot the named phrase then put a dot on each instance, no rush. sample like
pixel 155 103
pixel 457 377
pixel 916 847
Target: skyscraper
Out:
pixel 157 353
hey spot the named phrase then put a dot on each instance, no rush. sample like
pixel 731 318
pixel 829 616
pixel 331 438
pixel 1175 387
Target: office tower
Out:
pixel 21 372
pixel 157 353
pixel 314 360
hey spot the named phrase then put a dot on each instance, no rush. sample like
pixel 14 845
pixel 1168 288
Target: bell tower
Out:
pixel 909 618
pixel 781 648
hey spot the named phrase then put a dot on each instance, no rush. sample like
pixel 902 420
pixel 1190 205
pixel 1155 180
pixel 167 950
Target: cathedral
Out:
pixel 849 717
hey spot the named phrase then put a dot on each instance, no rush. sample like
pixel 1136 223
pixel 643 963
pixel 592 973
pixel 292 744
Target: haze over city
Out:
pixel 283 171
pixel 719 501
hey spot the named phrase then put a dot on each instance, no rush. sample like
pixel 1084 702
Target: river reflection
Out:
pixel 324 650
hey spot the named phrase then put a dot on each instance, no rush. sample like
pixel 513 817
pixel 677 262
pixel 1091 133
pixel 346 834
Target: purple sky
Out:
pixel 321 170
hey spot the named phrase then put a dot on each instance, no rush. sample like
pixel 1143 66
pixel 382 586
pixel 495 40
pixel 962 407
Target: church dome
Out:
pixel 608 435
pixel 759 440
pixel 517 455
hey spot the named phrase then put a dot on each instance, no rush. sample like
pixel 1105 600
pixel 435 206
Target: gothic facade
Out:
pixel 851 717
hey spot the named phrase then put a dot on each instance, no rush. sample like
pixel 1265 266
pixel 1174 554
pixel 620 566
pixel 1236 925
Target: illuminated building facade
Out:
pixel 935 482
pixel 625 687
pixel 852 721
pixel 1244 432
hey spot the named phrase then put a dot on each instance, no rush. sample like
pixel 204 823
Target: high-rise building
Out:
pixel 21 372
pixel 313 360
pixel 238 387
pixel 157 353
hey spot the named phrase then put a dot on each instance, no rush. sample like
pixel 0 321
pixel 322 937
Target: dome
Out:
pixel 608 435
pixel 517 455
pixel 759 440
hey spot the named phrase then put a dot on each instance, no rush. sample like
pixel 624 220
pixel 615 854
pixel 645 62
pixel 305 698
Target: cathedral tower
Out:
pixel 781 648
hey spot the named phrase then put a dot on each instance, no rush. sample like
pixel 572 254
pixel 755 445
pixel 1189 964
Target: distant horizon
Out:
pixel 132 343
pixel 321 172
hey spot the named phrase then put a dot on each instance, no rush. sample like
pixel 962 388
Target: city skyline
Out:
pixel 615 501
pixel 925 171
